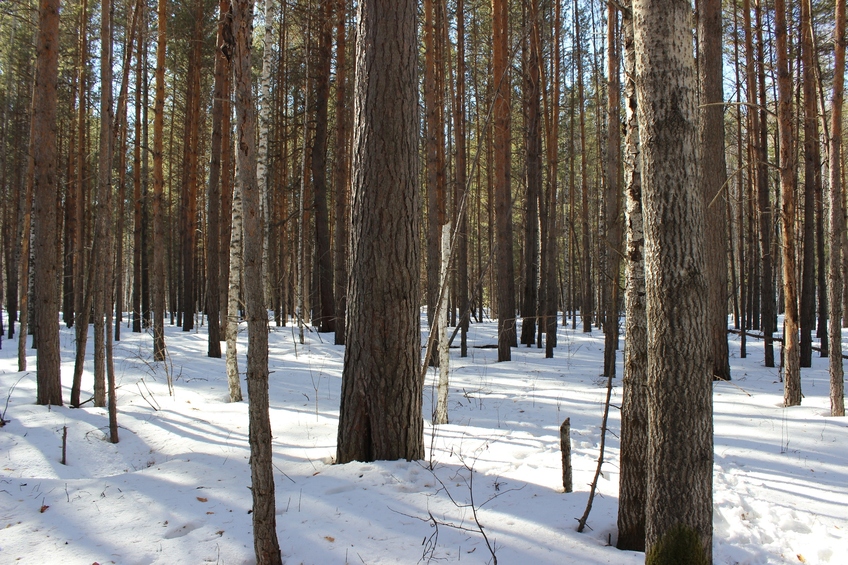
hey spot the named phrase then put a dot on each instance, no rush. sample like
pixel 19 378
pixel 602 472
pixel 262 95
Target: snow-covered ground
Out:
pixel 175 489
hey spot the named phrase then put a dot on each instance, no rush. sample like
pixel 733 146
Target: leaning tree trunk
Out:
pixel 261 464
pixel 680 449
pixel 380 415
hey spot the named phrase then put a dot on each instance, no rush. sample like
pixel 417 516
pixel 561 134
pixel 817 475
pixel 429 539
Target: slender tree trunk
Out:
pixel 380 415
pixel 138 202
pixel 191 149
pixel 326 308
pixel 213 193
pixel 812 191
pixel 234 287
pixel 792 377
pixel 612 197
pixel 104 215
pixel 837 220
pixel 680 450
pixel 262 160
pixel 45 182
pixel 713 174
pixel 261 465
pixel 341 175
pixel 533 159
pixel 158 285
pixel 26 241
pixel 586 307
pixel 634 408
pixel 461 178
pixel 505 270
pixel 435 150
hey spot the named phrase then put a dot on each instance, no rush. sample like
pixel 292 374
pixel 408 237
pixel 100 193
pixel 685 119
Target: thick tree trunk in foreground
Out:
pixel 49 375
pixel 680 449
pixel 380 415
pixel 634 406
pixel 261 465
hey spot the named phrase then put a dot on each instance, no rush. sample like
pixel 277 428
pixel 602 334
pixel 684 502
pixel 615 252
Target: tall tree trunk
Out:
pixel 44 156
pixel 812 190
pixel 713 174
pixel 533 158
pixel 837 220
pixel 504 265
pixel 158 286
pixel 213 194
pixel 233 288
pixel 792 377
pixel 680 450
pixel 461 193
pixel 265 543
pixel 191 149
pixel 138 202
pixel 586 307
pixel 262 160
pixel 380 415
pixel 103 253
pixel 341 174
pixel 634 407
pixel 435 151
pixel 612 196
pixel 327 308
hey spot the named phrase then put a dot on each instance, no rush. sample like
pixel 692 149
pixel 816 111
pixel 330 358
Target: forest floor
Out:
pixel 175 489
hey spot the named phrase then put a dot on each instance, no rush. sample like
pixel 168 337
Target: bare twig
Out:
pixel 582 522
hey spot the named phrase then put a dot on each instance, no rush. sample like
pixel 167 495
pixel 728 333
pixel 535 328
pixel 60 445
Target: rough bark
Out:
pixel 325 315
pixel 504 265
pixel 533 165
pixel 265 543
pixel 634 405
pixel 680 451
pixel 837 220
pixel 792 374
pixel 612 197
pixel 103 228
pixel 341 174
pixel 807 311
pixel 461 179
pixel 158 284
pixel 49 375
pixel 712 175
pixel 380 415
pixel 435 148
pixel 213 192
